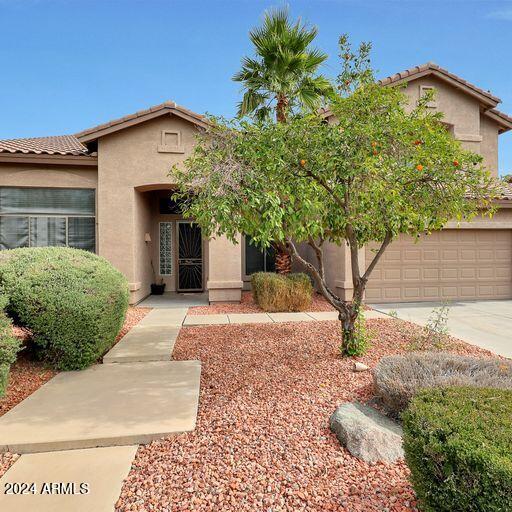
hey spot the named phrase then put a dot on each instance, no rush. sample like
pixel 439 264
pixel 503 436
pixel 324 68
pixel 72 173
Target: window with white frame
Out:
pixel 166 248
pixel 41 217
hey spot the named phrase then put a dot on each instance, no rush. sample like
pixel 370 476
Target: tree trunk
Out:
pixel 282 109
pixel 349 339
pixel 283 259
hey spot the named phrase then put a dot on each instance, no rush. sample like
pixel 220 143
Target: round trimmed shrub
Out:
pixel 458 446
pixel 9 346
pixel 398 378
pixel 72 301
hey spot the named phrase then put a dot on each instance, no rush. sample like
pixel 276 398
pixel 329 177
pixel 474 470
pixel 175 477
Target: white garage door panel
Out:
pixel 451 264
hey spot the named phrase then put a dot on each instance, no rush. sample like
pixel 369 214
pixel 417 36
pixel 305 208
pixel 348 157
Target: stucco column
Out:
pixel 224 270
pixel 344 286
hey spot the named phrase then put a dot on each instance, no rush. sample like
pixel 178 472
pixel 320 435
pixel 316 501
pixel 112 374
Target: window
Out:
pixel 42 217
pixel 258 260
pixel 166 248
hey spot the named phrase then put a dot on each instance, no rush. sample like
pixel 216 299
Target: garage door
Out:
pixel 451 264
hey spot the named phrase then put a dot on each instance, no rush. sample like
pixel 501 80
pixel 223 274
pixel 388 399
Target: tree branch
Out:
pixel 319 256
pixel 326 291
pixel 376 258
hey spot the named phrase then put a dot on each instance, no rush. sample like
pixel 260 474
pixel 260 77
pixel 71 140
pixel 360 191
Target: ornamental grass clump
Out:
pixel 458 446
pixel 398 378
pixel 73 302
pixel 282 293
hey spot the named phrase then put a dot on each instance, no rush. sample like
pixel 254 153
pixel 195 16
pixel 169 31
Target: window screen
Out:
pixel 47 231
pixel 71 201
pixel 13 232
pixel 82 233
pixel 41 217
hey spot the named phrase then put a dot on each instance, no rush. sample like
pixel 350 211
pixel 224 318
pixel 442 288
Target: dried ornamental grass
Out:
pixel 398 378
pixel 278 293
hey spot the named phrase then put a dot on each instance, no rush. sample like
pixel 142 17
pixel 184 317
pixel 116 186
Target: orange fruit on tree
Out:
pixel 456 163
pixel 303 162
pixel 419 167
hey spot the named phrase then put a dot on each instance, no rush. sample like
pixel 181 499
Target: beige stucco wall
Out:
pixel 129 165
pixel 475 131
pixel 225 270
pixel 33 175
pixel 489 144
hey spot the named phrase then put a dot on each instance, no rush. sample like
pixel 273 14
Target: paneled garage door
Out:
pixel 460 264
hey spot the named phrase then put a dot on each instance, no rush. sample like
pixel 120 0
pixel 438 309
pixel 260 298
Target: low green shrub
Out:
pixel 73 302
pixel 277 292
pixel 398 378
pixel 458 446
pixel 361 341
pixel 9 346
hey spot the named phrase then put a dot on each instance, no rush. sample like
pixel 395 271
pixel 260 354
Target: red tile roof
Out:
pixel 140 116
pixel 57 145
pixel 506 190
pixel 443 73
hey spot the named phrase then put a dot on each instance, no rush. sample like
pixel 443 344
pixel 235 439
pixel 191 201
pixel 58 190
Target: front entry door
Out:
pixel 190 257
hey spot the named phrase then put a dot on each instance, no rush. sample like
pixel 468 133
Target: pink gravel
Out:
pixel 247 305
pixel 262 440
pixel 27 375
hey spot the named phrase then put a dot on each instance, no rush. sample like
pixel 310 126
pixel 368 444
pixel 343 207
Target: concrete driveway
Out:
pixel 487 324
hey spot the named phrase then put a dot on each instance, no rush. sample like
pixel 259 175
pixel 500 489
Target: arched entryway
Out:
pixel 174 252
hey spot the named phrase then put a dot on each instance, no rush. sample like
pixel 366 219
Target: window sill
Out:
pixel 170 149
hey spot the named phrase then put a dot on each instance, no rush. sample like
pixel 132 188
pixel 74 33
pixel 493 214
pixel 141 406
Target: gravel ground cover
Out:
pixel 262 441
pixel 247 305
pixel 28 375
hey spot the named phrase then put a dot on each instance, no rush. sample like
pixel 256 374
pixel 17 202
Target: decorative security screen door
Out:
pixel 190 257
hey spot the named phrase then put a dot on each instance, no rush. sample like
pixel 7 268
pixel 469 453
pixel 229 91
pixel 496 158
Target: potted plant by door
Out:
pixel 158 288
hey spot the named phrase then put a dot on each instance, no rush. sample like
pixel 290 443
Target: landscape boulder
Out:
pixel 366 433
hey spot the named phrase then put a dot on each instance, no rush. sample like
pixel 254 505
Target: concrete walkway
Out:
pixel 258 318
pixel 486 324
pixel 99 471
pixel 136 396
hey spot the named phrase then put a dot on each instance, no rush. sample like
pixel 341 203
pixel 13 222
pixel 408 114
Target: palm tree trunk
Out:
pixel 283 257
pixel 282 109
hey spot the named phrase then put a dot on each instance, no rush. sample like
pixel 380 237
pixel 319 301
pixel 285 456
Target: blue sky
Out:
pixel 68 65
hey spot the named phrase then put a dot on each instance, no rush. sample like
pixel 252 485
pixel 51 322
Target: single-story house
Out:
pixel 107 190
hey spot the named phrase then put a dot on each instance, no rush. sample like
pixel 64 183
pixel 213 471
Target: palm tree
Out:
pixel 282 78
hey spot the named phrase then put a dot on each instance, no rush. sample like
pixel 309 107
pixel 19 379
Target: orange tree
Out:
pixel 382 169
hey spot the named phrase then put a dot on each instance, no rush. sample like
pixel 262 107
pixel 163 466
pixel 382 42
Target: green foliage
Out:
pixel 434 335
pixel 73 302
pixel 458 446
pixel 9 346
pixel 357 340
pixel 278 292
pixel 282 75
pixel 379 168
pixel 307 178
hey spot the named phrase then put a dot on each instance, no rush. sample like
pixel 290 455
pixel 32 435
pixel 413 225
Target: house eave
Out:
pixel 68 160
